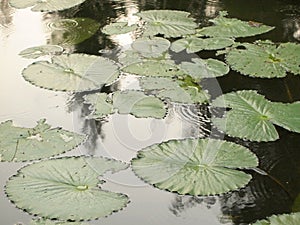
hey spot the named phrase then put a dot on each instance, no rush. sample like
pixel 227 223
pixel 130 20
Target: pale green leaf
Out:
pixel 24 144
pixel 283 219
pixel 75 72
pixel 41 221
pixel 101 105
pixel 42 50
pixel 195 166
pixel 151 47
pixel 170 23
pixel 66 188
pixel 118 28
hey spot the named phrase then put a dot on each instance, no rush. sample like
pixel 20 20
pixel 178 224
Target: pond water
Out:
pixel 121 136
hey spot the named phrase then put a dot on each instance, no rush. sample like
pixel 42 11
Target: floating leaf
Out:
pixel 41 221
pixel 296 205
pixel 155 68
pixel 42 50
pixel 118 28
pixel 193 44
pixel 138 104
pixel 195 166
pixel 45 5
pixel 151 47
pixel 75 72
pixel 170 23
pixel 284 219
pixel 101 104
pixel 129 57
pixel 265 59
pixel 23 144
pixel 66 188
pixel 232 27
pixel 204 68
pixel 252 116
pixel 72 31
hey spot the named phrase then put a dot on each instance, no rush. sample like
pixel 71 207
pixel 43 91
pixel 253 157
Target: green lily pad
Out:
pixel 72 31
pixel 233 28
pixel 170 23
pixel 129 57
pixel 251 116
pixel 41 221
pixel 24 144
pixel 75 72
pixel 42 50
pixel 194 44
pixel 151 47
pixel 66 188
pixel 195 166
pixel 296 205
pixel 45 5
pixel 139 104
pixel 101 105
pixel 265 59
pixel 153 68
pixel 204 68
pixel 118 28
pixel 284 219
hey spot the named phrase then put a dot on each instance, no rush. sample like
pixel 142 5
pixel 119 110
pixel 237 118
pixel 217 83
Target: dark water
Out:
pixel 121 136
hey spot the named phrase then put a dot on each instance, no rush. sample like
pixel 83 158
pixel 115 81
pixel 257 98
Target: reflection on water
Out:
pixel 6 12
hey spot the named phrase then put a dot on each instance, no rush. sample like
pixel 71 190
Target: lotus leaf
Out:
pixel 75 72
pixel 41 221
pixel 195 166
pixel 233 28
pixel 265 59
pixel 24 144
pixel 151 47
pixel 66 188
pixel 118 28
pixel 170 23
pixel 45 5
pixel 101 105
pixel 251 116
pixel 42 50
pixel 286 219
pixel 194 44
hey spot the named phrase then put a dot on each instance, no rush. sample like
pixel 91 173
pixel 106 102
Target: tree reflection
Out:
pixel 6 13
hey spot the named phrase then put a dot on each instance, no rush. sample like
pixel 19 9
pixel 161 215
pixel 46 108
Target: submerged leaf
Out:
pixel 118 28
pixel 45 5
pixel 66 188
pixel 42 50
pixel 265 59
pixel 232 27
pixel 24 144
pixel 251 116
pixel 195 166
pixel 170 23
pixel 284 219
pixel 151 47
pixel 75 72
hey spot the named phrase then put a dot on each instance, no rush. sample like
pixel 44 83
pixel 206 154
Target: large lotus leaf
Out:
pixel 101 104
pixel 204 68
pixel 194 44
pixel 252 116
pixel 151 47
pixel 75 72
pixel 66 188
pixel 45 5
pixel 129 57
pixel 118 28
pixel 72 31
pixel 41 221
pixel 42 50
pixel 23 144
pixel 138 104
pixel 232 27
pixel 195 166
pixel 284 219
pixel 265 59
pixel 170 23
pixel 153 68
pixel 175 90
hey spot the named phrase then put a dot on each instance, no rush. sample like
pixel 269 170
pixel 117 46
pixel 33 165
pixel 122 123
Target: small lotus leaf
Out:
pixel 283 219
pixel 118 28
pixel 101 105
pixel 138 104
pixel 194 44
pixel 66 188
pixel 72 31
pixel 265 59
pixel 45 5
pixel 75 72
pixel 24 144
pixel 204 68
pixel 195 166
pixel 233 28
pixel 170 23
pixel 129 57
pixel 252 116
pixel 42 50
pixel 151 47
